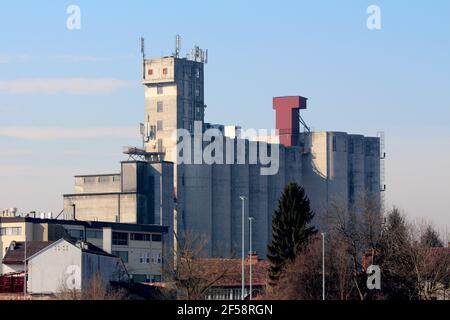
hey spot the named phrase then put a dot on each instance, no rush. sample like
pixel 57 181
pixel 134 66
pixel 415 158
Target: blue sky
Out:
pixel 396 80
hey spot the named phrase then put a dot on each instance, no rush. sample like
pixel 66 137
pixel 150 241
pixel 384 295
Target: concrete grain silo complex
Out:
pixel 204 199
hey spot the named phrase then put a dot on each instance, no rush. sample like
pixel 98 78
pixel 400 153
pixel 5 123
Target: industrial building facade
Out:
pixel 205 199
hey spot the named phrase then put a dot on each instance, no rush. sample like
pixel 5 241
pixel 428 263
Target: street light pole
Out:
pixel 323 266
pixel 250 219
pixel 25 266
pixel 243 248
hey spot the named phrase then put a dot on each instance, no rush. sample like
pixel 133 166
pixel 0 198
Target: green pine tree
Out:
pixel 290 229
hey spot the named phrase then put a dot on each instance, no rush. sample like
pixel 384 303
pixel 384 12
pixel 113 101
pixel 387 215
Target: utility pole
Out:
pixel 25 264
pixel 323 266
pixel 243 248
pixel 250 220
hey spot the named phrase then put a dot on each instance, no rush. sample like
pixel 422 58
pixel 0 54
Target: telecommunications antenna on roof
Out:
pixel 143 47
pixel 177 46
pixel 143 56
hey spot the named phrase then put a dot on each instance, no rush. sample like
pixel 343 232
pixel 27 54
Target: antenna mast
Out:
pixel 143 48
pixel 177 46
pixel 143 56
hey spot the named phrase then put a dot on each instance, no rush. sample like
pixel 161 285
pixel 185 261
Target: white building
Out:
pixel 66 265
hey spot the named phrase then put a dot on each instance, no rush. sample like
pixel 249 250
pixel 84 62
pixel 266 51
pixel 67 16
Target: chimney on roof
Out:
pixel 82 245
pixel 12 245
pixel 252 258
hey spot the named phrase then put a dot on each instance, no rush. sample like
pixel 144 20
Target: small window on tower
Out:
pixel 150 72
pixel 159 125
pixel 165 71
pixel 159 106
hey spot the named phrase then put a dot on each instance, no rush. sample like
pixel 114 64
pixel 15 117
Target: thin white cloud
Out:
pixel 4 59
pixel 76 58
pixel 75 86
pixel 15 152
pixel 54 133
pixel 28 170
pixel 7 58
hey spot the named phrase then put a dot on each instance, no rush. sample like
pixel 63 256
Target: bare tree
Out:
pixel 192 275
pixel 95 289
pixel 356 231
pixel 431 262
pixel 411 267
pixel 302 279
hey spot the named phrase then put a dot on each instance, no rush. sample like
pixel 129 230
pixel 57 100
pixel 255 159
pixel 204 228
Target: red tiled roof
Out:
pixel 232 269
pixel 17 255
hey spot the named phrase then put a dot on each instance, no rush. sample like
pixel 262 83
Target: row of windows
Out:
pixel 140 237
pixel 101 179
pixel 118 238
pixel 196 91
pixel 11 231
pixel 121 238
pixel 146 278
pixel 145 237
pixel 75 234
pixel 165 71
pixel 94 234
pixel 187 71
pixel 147 258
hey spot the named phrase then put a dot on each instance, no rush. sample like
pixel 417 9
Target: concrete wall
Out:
pixel 372 170
pixel 96 184
pixel 315 171
pixel 102 207
pixel 198 204
pixel 356 171
pixel 212 207
pixel 221 219
pixel 337 169
pixel 106 268
pixel 340 170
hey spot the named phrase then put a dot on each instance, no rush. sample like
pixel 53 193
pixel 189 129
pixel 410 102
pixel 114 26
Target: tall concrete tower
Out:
pixel 174 99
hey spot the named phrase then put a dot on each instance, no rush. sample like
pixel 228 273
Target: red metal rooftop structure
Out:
pixel 288 118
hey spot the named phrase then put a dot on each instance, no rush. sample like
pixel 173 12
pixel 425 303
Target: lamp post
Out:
pixel 250 220
pixel 243 248
pixel 25 265
pixel 323 266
